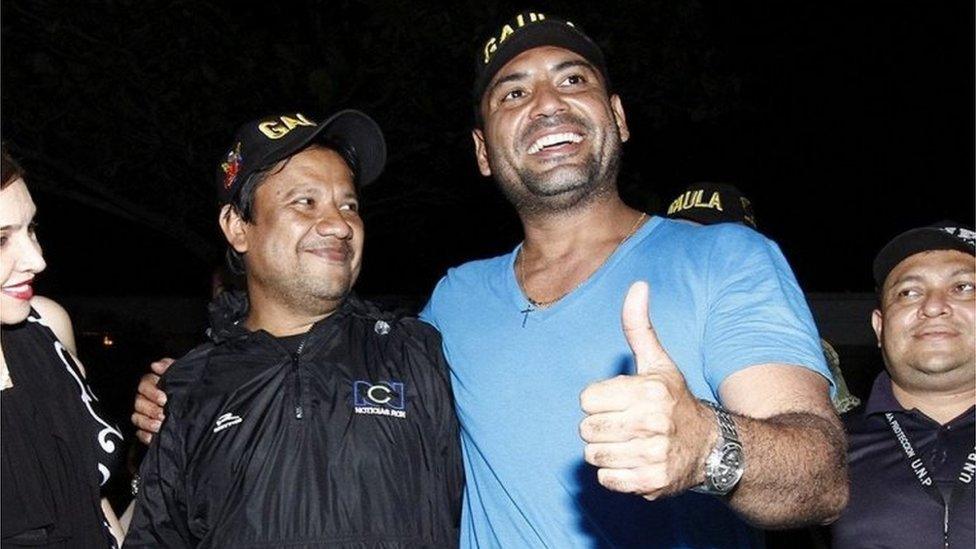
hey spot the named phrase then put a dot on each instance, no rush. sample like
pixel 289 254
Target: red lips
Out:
pixel 23 291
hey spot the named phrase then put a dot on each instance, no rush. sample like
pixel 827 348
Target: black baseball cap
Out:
pixel 944 235
pixel 527 30
pixel 261 143
pixel 710 203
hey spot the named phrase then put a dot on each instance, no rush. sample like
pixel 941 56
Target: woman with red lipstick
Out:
pixel 57 449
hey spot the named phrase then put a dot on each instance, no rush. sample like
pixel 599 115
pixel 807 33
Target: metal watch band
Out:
pixel 725 423
pixel 724 466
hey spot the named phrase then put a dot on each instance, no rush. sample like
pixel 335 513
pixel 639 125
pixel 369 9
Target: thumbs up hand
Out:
pixel 646 433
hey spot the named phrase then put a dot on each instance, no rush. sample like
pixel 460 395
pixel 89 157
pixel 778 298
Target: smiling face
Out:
pixel 925 325
pixel 304 247
pixel 552 135
pixel 20 254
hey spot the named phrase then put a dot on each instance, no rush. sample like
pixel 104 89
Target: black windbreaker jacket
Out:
pixel 350 442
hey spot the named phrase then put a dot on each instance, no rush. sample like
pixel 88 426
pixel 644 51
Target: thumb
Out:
pixel 648 352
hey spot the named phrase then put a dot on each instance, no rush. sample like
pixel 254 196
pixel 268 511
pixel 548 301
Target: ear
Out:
pixel 234 228
pixel 481 152
pixel 877 322
pixel 620 117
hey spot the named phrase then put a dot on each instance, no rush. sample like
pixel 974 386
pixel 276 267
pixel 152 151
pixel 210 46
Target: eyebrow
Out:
pixel 511 77
pixel 521 75
pixel 904 279
pixel 17 226
pixel 919 278
pixel 574 63
pixel 311 189
pixel 298 189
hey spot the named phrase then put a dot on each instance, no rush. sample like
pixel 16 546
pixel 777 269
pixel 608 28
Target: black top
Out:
pixel 56 449
pixel 888 506
pixel 346 439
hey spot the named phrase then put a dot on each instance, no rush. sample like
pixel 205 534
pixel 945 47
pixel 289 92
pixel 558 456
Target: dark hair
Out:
pixel 243 205
pixel 243 201
pixel 10 168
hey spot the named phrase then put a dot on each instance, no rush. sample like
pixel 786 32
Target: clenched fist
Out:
pixel 647 432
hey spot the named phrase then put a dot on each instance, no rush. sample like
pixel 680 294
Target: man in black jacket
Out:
pixel 312 419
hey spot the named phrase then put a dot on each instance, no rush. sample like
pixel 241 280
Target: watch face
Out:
pixel 728 470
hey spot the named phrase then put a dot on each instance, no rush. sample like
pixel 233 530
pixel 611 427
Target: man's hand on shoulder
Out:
pixel 647 433
pixel 148 414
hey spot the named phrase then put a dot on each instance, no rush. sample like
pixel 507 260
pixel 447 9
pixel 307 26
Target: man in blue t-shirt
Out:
pixel 536 334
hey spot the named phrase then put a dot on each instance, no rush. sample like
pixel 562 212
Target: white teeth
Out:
pixel 553 139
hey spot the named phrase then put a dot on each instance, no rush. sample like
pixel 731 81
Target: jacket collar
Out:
pixel 228 310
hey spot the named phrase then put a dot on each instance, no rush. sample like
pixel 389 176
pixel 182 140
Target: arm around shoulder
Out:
pixel 159 517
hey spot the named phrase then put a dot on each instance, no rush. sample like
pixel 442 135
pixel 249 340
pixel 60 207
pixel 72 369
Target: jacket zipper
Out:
pixel 299 409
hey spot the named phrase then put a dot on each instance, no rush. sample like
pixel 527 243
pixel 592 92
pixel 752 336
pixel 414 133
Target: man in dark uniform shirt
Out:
pixel 912 458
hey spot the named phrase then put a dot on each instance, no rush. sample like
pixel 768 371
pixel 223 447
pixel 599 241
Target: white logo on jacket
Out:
pixel 225 421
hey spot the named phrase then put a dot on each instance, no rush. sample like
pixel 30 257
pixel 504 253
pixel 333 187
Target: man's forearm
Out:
pixel 796 470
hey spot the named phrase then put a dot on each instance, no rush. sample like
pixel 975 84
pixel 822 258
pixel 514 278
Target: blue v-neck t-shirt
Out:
pixel 723 298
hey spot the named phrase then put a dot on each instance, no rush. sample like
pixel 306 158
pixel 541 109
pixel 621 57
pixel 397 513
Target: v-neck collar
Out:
pixel 520 302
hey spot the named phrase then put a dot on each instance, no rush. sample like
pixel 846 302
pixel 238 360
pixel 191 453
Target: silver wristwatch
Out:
pixel 726 463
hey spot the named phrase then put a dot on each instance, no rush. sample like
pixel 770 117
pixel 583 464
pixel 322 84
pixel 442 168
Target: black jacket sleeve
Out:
pixel 454 467
pixel 160 516
pixel 450 432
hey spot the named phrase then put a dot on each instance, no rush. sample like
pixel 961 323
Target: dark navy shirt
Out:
pixel 888 506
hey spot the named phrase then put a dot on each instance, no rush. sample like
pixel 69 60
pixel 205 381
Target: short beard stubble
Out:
pixel 535 194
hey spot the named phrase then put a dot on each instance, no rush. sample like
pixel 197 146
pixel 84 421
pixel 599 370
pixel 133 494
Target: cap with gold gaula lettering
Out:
pixel 709 203
pixel 527 30
pixel 261 143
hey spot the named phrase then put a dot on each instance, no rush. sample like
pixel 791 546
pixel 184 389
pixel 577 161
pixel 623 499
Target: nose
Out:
pixel 332 223
pixel 547 101
pixel 936 304
pixel 31 258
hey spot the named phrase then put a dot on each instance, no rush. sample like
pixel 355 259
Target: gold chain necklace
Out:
pixel 533 304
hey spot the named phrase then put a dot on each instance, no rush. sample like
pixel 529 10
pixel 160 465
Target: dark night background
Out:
pixel 845 124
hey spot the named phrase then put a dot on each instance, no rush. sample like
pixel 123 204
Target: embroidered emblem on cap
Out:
pixel 969 237
pixel 279 127
pixel 231 166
